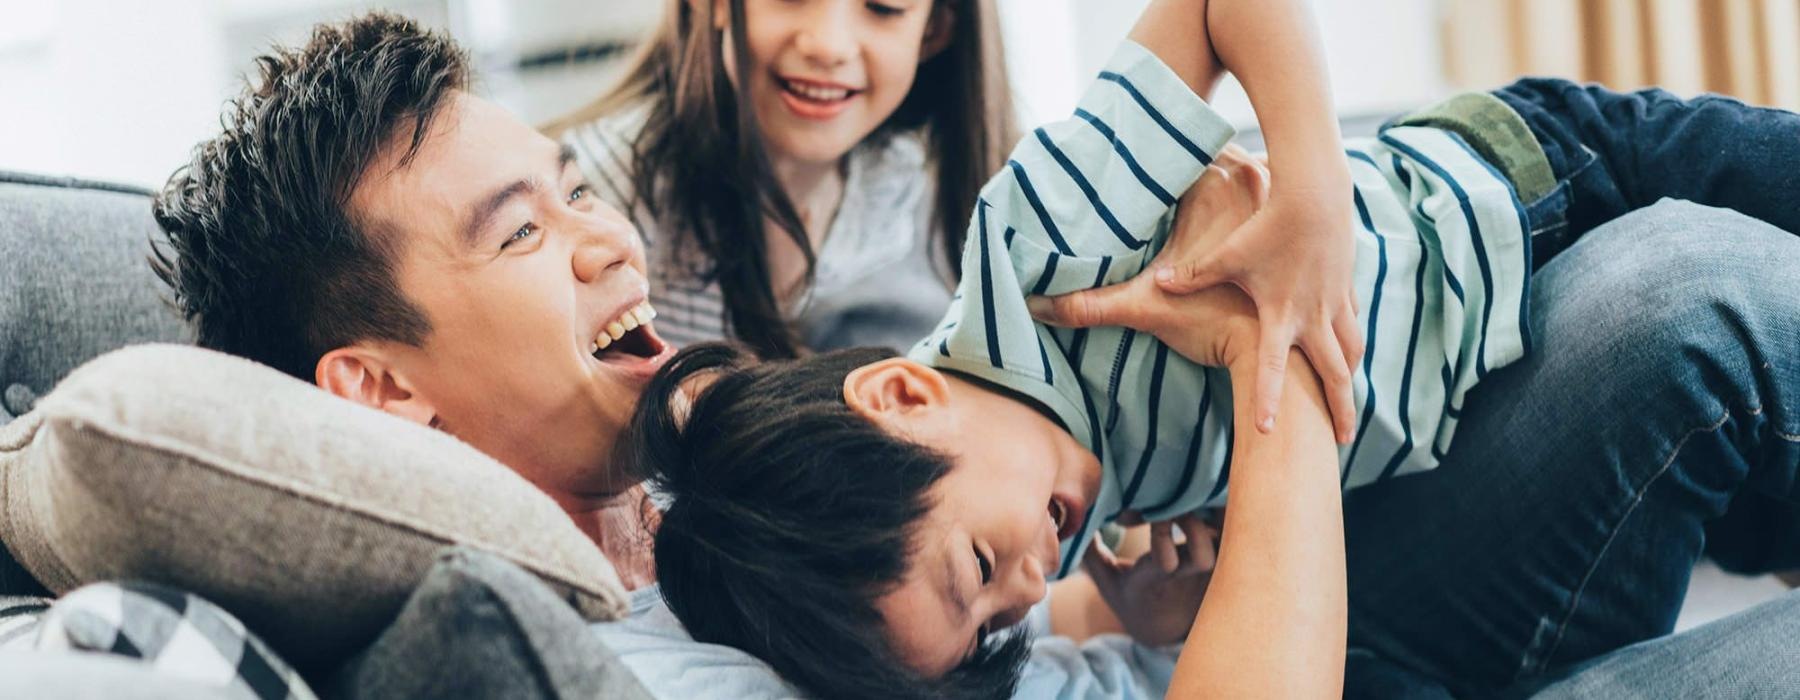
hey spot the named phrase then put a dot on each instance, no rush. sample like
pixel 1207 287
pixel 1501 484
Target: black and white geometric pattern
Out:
pixel 19 617
pixel 178 634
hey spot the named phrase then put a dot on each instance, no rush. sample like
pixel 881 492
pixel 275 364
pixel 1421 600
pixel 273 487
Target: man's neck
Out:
pixel 624 526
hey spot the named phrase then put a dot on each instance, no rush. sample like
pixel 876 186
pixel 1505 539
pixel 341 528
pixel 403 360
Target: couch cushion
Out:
pixel 480 627
pixel 309 517
pixel 74 281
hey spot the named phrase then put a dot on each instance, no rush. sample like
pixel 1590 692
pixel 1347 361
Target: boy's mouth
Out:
pixel 813 99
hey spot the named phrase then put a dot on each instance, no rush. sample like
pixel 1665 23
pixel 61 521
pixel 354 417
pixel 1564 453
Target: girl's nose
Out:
pixel 827 37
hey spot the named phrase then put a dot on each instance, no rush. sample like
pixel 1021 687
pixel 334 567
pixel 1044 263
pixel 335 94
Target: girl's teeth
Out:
pixel 818 93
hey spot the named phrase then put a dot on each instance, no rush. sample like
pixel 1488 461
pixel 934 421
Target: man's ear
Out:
pixel 939 31
pixel 364 375
pixel 896 391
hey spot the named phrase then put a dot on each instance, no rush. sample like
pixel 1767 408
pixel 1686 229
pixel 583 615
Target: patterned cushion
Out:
pixel 176 634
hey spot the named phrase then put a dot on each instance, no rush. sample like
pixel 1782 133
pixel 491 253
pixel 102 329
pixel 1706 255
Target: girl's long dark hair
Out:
pixel 701 169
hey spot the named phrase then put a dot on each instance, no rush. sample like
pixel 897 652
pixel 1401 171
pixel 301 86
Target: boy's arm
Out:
pixel 1295 261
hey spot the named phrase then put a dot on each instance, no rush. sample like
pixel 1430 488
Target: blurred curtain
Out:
pixel 1749 49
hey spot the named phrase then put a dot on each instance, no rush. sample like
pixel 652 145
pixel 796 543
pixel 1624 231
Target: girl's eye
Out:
pixel 519 235
pixel 882 10
pixel 987 568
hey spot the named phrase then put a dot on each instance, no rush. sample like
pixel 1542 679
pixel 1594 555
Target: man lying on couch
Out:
pixel 367 224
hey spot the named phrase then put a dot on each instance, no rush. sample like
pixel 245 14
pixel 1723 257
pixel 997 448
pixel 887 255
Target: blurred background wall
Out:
pixel 121 89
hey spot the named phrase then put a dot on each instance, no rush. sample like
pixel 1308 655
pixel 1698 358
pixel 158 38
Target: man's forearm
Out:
pixel 1275 617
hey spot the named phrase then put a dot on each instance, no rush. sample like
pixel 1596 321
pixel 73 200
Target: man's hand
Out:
pixel 1157 595
pixel 1294 256
pixel 1213 326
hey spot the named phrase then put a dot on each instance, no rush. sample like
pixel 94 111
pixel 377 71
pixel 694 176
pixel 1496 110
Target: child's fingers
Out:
pixel 1271 364
pixel 1101 306
pixel 1099 560
pixel 1321 347
pixel 1162 546
pixel 1202 553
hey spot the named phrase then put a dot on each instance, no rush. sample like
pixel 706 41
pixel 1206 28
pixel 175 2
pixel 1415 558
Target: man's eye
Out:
pixel 519 235
pixel 987 568
pixel 580 192
pixel 882 10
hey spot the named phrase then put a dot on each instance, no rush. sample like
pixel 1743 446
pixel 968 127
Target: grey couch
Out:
pixel 75 283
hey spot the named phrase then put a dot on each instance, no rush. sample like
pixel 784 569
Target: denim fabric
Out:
pixel 1617 152
pixel 1748 655
pixel 1573 505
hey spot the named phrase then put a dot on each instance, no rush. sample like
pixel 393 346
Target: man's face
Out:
pixel 520 269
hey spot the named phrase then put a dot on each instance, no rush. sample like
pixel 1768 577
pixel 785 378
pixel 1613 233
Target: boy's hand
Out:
pixel 1294 257
pixel 1157 595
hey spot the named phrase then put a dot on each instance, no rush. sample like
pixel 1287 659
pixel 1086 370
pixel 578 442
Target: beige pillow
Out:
pixel 309 517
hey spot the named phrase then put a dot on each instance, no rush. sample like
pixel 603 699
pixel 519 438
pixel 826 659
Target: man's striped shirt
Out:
pixel 1442 270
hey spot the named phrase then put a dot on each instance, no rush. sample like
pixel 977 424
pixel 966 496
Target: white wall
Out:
pixel 123 98
pixel 1384 54
pixel 122 89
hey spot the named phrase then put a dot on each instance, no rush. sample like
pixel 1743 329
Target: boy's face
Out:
pixel 827 73
pixel 992 539
pixel 519 269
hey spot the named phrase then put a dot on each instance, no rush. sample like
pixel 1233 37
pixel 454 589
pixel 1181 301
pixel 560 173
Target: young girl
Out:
pixel 802 172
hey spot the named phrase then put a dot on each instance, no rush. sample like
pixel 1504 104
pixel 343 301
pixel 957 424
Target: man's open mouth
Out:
pixel 629 337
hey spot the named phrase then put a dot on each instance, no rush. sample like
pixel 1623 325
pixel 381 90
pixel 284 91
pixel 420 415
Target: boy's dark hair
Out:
pixel 791 514
pixel 260 248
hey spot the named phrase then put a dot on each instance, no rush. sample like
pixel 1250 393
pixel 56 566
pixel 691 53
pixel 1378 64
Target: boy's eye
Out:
pixel 519 235
pixel 884 10
pixel 986 568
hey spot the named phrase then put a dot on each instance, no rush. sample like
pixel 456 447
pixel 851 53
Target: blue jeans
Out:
pixel 1662 399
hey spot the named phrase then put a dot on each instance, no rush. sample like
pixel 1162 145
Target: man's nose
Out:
pixel 826 38
pixel 604 247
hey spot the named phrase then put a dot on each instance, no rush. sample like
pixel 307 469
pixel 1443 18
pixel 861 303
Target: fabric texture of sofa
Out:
pixel 75 283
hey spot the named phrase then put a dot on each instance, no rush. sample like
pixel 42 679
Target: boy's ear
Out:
pixel 894 390
pixel 364 375
pixel 939 30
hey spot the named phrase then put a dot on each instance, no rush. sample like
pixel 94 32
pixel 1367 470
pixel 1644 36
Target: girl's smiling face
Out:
pixel 826 73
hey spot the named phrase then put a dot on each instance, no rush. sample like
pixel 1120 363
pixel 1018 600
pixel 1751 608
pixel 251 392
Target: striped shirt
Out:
pixel 1441 272
pixel 880 277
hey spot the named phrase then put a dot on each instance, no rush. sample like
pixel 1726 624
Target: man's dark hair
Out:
pixel 261 249
pixel 791 515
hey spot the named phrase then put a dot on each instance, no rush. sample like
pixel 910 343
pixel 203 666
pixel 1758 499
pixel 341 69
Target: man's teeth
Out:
pixel 821 94
pixel 629 321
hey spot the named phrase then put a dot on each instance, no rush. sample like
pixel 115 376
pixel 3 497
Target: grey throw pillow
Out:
pixel 480 627
pixel 309 517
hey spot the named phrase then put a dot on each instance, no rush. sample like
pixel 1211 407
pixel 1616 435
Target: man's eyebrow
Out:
pixel 484 212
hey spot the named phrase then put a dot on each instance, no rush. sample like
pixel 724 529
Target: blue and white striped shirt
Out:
pixel 1442 273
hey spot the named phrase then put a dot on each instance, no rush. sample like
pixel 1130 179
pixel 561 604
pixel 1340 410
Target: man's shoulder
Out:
pixel 671 663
